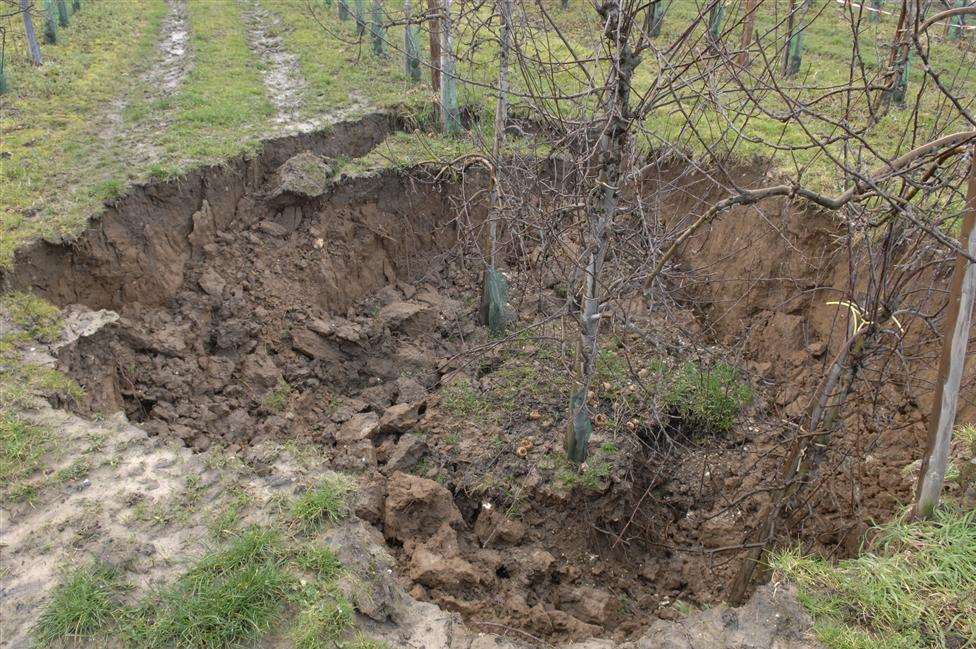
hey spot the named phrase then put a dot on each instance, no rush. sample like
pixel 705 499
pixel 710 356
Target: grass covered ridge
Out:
pixel 913 587
pixel 257 581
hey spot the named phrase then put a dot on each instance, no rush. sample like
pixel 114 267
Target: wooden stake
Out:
pixel 962 294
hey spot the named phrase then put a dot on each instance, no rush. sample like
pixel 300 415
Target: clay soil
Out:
pixel 255 306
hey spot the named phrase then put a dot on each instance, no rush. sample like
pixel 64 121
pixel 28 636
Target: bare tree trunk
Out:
pixel 962 294
pixel 601 208
pixel 494 289
pixel 788 472
pixel 32 45
pixel 434 29
pixel 748 27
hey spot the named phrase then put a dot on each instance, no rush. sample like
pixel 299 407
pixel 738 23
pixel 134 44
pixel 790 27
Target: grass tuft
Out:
pixel 321 561
pixel 913 587
pixel 82 607
pixel 326 502
pixel 230 597
pixel 323 622
pixel 22 445
pixel 40 319
pixel 277 397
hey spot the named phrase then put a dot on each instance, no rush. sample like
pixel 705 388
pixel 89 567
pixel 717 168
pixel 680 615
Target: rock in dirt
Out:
pixel 338 328
pixel 409 318
pixel 362 426
pixel 259 371
pixel 370 500
pixel 305 175
pixel 371 585
pixel 168 341
pixel 591 605
pixel 272 228
pixel 771 619
pixel 495 529
pixel 437 563
pixel 400 418
pixel 313 345
pixel 407 452
pixel 212 283
pixel 436 571
pixel 417 507
pixel 409 390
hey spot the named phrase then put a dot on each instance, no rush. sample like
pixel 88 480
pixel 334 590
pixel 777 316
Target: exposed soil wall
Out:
pixel 266 299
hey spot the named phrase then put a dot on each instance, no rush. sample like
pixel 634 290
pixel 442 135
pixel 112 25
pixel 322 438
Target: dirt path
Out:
pixel 163 77
pixel 283 80
pixel 169 73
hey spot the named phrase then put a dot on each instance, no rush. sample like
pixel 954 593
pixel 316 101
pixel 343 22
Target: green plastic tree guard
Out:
pixel 343 10
pixel 410 47
pixel 655 18
pixel 901 86
pixel 715 18
pixel 876 14
pixel 360 15
pixel 376 30
pixel 3 71
pixel 63 13
pixel 958 22
pixel 581 428
pixel 794 53
pixel 50 23
pixel 450 112
pixel 495 297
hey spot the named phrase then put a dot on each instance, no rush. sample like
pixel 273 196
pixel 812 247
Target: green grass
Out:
pixel 348 72
pixel 54 116
pixel 84 605
pixel 22 445
pixel 221 109
pixel 231 597
pixel 277 397
pixel 323 622
pixel 320 561
pixel 462 400
pixel 328 501
pixel 40 319
pixel 913 587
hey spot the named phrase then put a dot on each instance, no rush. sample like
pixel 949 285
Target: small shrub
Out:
pixel 82 607
pixel 276 399
pixel 327 501
pixel 707 400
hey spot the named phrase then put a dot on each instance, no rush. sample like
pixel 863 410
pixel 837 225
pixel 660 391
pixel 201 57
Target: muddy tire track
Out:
pixel 163 78
pixel 285 85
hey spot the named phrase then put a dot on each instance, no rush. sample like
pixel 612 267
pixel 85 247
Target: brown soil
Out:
pixel 268 300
